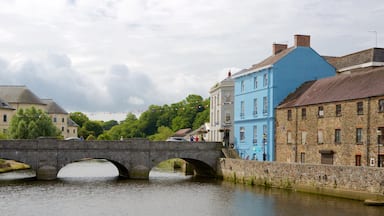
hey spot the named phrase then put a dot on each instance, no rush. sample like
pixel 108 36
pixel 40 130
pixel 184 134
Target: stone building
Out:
pixel 13 97
pixel 337 120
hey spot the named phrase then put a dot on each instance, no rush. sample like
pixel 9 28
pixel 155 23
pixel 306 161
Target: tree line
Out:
pixel 156 123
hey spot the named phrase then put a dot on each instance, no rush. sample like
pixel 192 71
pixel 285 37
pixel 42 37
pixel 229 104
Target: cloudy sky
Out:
pixel 124 55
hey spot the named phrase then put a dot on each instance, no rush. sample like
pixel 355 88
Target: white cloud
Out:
pixel 123 55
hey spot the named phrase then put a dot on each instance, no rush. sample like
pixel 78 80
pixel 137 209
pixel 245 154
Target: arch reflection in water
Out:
pixel 88 169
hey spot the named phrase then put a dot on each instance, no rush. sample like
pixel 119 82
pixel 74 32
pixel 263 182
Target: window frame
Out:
pixel 360 108
pixel 320 112
pixel 338 110
pixel 359 135
pixel 337 136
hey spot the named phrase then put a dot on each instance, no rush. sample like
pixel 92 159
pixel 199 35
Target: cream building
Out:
pixel 14 97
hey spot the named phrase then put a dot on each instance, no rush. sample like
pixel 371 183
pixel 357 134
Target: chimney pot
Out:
pixel 276 48
pixel 303 40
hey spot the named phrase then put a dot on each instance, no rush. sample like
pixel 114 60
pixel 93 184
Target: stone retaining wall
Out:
pixel 342 181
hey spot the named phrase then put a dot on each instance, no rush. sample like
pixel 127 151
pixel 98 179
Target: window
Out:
pixel 320 138
pixel 62 128
pixel 242 109
pixel 265 132
pixel 265 105
pixel 255 82
pixel 265 80
pixel 304 137
pixel 54 119
pixel 289 137
pixel 337 136
pixel 62 120
pixel 326 157
pixel 289 115
pixel 358 160
pixel 242 134
pixel 255 106
pixel 303 113
pixel 302 157
pixel 338 109
pixel 359 135
pixel 227 117
pixel 5 118
pixel 320 112
pixel 359 106
pixel 242 85
pixel 254 135
pixel 381 105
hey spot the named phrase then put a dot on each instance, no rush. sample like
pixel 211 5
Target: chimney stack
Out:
pixel 276 48
pixel 303 40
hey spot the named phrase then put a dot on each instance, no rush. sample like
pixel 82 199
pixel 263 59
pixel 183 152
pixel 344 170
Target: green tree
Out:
pixel 79 117
pixel 109 124
pixel 162 134
pixel 32 123
pixel 94 127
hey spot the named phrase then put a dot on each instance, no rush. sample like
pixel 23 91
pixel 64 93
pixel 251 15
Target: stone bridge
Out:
pixel 134 158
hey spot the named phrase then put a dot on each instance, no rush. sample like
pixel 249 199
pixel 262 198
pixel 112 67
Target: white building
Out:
pixel 221 110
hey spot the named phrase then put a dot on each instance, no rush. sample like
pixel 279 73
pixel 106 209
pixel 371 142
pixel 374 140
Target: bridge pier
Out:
pixel 46 173
pixel 139 172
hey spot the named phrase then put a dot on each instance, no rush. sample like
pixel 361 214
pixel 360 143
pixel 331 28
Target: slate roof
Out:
pixel 53 107
pixel 19 94
pixel 338 88
pixel 268 61
pixel 357 58
pixel 5 105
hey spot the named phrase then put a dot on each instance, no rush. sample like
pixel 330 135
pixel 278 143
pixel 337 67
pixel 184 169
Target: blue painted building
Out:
pixel 259 90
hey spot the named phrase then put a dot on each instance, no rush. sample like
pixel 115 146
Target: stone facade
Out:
pixel 342 181
pixel 298 136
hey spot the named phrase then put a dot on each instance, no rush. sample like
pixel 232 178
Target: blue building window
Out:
pixel 254 135
pixel 242 134
pixel 255 107
pixel 265 105
pixel 255 82
pixel 242 109
pixel 242 86
pixel 265 80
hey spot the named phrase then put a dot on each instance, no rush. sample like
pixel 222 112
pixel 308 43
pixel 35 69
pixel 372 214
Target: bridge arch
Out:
pixel 121 169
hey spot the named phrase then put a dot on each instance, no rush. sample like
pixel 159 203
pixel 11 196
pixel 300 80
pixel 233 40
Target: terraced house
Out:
pixel 259 89
pixel 13 98
pixel 337 120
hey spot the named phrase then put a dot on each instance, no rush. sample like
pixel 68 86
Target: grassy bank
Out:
pixel 11 165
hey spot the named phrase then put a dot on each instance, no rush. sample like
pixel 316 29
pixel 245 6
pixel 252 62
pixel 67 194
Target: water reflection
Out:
pixel 166 193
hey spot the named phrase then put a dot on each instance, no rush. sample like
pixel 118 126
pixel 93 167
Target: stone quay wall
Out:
pixel 350 182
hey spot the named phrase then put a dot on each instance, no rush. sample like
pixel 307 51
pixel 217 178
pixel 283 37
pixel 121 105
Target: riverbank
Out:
pixel 11 165
pixel 352 182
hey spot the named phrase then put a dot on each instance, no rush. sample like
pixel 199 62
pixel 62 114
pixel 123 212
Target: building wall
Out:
pixel 344 153
pixel 6 116
pixel 300 65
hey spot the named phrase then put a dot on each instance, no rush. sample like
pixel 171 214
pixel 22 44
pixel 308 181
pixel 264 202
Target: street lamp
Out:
pixel 264 142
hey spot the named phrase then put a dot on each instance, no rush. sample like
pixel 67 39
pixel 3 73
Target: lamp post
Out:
pixel 264 142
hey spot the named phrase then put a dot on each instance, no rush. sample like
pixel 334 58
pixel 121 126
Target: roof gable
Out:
pixel 53 107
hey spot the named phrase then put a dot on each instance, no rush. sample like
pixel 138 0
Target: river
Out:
pixel 82 190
